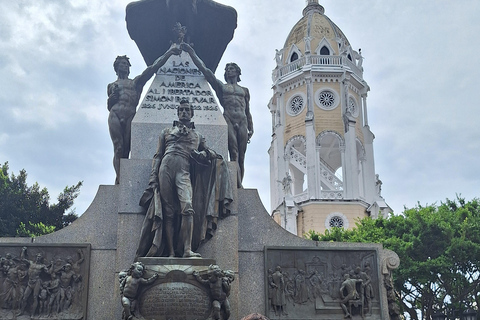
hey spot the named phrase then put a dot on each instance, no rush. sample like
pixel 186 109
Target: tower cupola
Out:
pixel 321 155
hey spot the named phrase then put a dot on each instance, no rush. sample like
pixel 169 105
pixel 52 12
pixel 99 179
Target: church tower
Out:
pixel 321 154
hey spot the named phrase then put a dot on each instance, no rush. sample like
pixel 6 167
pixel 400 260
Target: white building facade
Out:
pixel 321 155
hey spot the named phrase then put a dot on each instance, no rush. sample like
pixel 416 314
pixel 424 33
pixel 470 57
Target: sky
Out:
pixel 421 63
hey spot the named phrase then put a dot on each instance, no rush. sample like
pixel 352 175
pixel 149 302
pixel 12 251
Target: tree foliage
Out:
pixel 27 209
pixel 439 250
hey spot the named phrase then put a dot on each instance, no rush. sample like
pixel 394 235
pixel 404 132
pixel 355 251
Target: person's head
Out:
pixel 122 65
pixel 230 68
pixel 185 110
pixel 255 316
pixel 39 257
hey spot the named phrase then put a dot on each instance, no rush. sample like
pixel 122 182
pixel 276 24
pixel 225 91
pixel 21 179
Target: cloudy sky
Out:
pixel 421 62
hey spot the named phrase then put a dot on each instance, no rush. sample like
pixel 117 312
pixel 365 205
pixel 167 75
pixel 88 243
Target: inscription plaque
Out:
pixel 175 301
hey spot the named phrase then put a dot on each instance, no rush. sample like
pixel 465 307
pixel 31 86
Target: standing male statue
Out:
pixel 123 97
pixel 189 189
pixel 235 101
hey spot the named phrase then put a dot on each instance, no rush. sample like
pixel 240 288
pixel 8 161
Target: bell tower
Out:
pixel 321 155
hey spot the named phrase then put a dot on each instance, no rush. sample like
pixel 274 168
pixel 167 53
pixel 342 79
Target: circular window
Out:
pixel 296 105
pixel 327 99
pixel 336 222
pixel 352 107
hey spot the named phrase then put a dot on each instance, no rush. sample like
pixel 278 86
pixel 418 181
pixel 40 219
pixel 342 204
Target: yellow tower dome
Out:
pixel 314 32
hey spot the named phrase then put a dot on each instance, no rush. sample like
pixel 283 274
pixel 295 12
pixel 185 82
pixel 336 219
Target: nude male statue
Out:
pixel 35 269
pixel 123 97
pixel 235 101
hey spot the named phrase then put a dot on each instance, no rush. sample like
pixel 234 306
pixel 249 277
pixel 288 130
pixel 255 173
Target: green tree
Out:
pixel 28 209
pixel 439 250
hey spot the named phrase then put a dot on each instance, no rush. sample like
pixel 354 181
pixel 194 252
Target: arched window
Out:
pixel 294 57
pixel 324 51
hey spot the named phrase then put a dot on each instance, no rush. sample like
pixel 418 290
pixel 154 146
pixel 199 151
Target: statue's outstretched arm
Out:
pixel 151 70
pixel 209 75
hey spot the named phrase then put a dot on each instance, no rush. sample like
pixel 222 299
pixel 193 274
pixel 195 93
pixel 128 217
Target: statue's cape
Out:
pixel 212 196
pixel 210 27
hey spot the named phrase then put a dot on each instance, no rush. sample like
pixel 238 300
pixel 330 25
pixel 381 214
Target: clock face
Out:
pixel 296 105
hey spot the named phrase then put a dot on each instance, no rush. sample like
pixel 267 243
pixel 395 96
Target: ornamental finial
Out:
pixel 313 6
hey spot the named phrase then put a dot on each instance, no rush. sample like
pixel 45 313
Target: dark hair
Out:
pixel 185 101
pixel 239 71
pixel 117 61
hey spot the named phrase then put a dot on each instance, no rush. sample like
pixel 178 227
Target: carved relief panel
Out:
pixel 44 281
pixel 317 284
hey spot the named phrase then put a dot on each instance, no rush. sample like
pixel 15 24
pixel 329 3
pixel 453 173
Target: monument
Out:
pixel 172 239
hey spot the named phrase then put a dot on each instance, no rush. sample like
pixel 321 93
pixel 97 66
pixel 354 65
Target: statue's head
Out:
pixel 137 269
pixel 122 63
pixel 39 257
pixel 184 105
pixel 232 66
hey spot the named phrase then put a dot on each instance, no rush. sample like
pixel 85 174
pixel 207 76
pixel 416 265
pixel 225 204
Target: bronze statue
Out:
pixel 211 26
pixel 123 97
pixel 35 270
pixel 130 282
pixel 235 101
pixel 350 286
pixel 219 283
pixel 278 283
pixel 189 189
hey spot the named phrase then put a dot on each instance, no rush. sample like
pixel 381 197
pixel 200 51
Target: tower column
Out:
pixel 364 106
pixel 310 147
pixel 351 183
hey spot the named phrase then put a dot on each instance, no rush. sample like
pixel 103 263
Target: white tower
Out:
pixel 321 155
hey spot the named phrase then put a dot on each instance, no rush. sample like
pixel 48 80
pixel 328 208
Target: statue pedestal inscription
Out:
pixel 183 289
pixel 175 300
pixel 178 78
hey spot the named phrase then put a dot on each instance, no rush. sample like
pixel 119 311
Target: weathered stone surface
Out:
pixel 175 301
pixel 178 78
pixel 259 235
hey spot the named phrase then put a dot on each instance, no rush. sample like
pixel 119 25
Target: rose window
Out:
pixel 327 99
pixel 296 105
pixel 336 222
